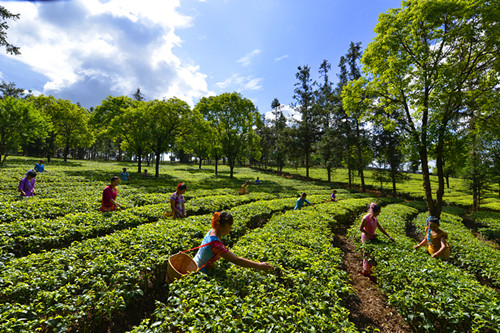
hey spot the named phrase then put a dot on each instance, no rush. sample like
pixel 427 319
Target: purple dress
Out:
pixel 27 186
pixel 179 200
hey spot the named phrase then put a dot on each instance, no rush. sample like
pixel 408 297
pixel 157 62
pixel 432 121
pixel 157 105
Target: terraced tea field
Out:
pixel 66 267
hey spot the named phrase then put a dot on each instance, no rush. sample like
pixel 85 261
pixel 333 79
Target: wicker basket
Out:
pixel 179 265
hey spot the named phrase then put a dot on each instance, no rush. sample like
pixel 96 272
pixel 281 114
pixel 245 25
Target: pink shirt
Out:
pixel 370 226
pixel 107 195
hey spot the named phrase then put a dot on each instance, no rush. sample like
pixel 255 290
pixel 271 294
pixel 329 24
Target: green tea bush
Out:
pixel 305 295
pixel 431 294
pixel 466 250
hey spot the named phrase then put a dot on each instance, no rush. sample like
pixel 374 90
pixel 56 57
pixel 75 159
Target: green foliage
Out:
pixel 68 124
pixel 5 15
pixel 432 295
pixel 308 290
pixel 233 118
pixel 20 123
pixel 491 223
pixel 427 68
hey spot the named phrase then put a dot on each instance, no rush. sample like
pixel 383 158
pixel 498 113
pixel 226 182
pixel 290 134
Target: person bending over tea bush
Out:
pixel 302 201
pixel 177 201
pixel 243 189
pixel 27 184
pixel 369 223
pixel 109 203
pixel 436 240
pixel 222 223
pixel 40 167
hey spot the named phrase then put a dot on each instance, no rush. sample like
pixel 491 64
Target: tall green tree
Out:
pixel 387 150
pixel 68 124
pixel 343 123
pixel 20 123
pixel 268 140
pixel 129 123
pixel 198 140
pixel 106 128
pixel 234 118
pixel 431 59
pixel 165 121
pixel 10 90
pixel 281 133
pixel 204 107
pixel 73 126
pixel 352 59
pixel 329 146
pixel 308 127
pixel 4 16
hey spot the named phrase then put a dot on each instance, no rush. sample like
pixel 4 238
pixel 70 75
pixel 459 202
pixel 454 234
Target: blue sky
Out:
pixel 86 50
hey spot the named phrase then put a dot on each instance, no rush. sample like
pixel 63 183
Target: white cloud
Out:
pixel 89 50
pixel 247 58
pixel 238 83
pixel 288 111
pixel 281 58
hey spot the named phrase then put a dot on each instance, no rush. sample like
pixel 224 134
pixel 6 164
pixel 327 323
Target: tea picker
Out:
pixel 210 250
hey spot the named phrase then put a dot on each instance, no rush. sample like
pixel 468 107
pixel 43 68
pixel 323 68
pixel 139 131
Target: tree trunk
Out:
pixel 66 149
pixel 199 162
pixel 3 151
pixel 360 158
pixel 119 157
pixel 432 207
pixel 349 167
pixel 447 181
pixel 139 160
pixel 393 176
pixel 307 165
pixel 475 198
pixel 329 172
pixel 157 165
pixel 440 171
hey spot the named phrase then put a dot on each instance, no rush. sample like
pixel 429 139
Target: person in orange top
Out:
pixel 243 189
pixel 436 240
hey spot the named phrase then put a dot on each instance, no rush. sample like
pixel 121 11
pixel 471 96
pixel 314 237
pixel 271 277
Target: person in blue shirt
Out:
pixel 124 174
pixel 257 181
pixel 39 167
pixel 302 201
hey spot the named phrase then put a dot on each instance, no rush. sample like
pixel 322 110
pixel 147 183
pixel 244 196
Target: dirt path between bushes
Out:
pixel 368 305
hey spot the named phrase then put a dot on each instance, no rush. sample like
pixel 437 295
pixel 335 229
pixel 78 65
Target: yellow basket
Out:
pixel 179 265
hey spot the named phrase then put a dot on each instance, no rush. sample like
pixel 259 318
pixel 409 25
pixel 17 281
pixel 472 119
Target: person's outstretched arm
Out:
pixel 264 266
pixel 422 243
pixel 384 232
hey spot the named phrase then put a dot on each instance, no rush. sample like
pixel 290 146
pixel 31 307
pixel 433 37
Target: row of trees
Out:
pixel 219 126
pixel 425 89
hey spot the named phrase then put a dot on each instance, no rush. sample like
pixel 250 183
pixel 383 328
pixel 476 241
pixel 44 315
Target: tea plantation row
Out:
pixel 307 295
pixel 432 295
pixel 86 285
